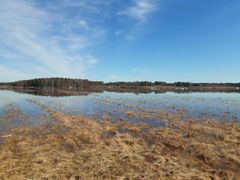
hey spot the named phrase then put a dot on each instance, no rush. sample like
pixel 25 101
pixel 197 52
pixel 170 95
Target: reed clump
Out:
pixel 80 148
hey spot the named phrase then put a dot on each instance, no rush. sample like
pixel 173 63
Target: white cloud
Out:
pixel 136 14
pixel 54 40
pixel 139 10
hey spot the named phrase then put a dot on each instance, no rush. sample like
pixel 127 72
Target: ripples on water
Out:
pixel 222 106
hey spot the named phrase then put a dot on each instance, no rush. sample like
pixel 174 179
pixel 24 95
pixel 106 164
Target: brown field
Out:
pixel 80 148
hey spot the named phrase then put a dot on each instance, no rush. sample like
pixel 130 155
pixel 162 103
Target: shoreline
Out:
pixel 136 90
pixel 81 85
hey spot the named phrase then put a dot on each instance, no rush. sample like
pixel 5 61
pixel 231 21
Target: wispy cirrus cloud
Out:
pixel 53 38
pixel 137 13
pixel 139 10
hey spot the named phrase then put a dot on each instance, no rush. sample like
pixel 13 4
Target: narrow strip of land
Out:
pixel 60 84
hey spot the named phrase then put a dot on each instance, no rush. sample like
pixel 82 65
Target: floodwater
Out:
pixel 17 110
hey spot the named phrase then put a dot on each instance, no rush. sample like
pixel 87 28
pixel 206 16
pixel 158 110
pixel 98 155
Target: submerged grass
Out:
pixel 79 148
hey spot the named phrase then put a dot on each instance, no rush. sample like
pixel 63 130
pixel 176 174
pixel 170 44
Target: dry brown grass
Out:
pixel 81 148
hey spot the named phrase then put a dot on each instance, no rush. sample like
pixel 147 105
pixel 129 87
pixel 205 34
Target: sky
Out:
pixel 120 40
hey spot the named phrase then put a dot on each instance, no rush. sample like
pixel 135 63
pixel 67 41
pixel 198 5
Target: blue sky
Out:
pixel 121 40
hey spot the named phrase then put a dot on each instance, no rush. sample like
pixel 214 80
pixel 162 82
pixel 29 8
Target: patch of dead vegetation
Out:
pixel 79 148
pixel 12 116
pixel 166 118
pixel 11 112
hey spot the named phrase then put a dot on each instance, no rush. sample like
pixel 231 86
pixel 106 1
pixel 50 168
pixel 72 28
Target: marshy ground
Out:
pixel 75 147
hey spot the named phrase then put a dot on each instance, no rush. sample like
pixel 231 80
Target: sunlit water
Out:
pixel 221 106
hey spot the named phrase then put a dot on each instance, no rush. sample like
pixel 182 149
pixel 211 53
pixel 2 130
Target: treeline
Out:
pixel 61 83
pixel 176 84
pixel 81 84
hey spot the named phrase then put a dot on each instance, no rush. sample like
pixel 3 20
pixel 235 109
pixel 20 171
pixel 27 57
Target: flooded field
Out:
pixel 120 136
pixel 220 106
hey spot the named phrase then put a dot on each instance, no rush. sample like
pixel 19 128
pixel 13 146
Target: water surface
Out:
pixel 220 106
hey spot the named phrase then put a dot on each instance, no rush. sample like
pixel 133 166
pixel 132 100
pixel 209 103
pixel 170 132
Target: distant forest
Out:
pixel 176 84
pixel 61 83
pixel 81 84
